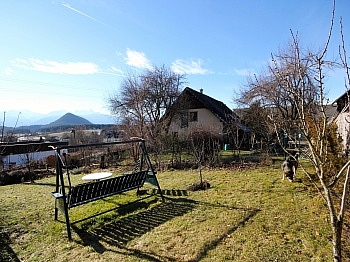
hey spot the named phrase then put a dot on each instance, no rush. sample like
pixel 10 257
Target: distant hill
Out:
pixel 25 118
pixel 96 118
pixel 69 119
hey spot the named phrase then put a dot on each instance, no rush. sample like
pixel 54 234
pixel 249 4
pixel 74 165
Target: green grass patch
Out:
pixel 246 215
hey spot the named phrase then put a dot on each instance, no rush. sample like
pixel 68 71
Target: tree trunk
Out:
pixel 337 233
pixel 336 223
pixel 200 173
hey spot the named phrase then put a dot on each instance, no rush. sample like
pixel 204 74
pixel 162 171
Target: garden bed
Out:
pixel 20 175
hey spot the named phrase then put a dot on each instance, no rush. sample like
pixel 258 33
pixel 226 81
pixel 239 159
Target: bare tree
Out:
pixel 3 127
pixel 143 100
pixel 293 91
pixel 6 138
pixel 29 159
pixel 255 117
pixel 205 147
pixel 9 135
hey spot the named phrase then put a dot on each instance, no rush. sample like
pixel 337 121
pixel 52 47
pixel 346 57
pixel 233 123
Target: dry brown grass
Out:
pixel 246 215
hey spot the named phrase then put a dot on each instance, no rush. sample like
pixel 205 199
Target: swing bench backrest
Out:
pixel 88 192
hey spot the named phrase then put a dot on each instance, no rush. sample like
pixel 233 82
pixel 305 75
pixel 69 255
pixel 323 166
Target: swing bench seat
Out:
pixel 92 191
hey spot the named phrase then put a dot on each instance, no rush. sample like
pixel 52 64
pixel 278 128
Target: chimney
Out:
pixel 201 90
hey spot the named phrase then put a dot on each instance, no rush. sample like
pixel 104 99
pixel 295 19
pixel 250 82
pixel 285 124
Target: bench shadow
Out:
pixel 119 232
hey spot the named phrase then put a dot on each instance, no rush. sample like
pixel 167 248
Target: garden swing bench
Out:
pixel 88 192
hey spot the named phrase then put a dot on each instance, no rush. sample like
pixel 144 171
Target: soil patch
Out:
pixel 204 185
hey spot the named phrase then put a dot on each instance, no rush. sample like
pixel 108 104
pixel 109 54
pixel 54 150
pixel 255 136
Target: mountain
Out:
pixel 98 118
pixel 45 119
pixel 69 119
pixel 14 118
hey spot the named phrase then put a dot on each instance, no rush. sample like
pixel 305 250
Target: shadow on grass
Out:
pixel 210 245
pixel 35 183
pixel 6 252
pixel 119 232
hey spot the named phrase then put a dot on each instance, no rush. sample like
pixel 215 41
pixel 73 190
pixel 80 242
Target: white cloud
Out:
pixel 8 71
pixel 117 71
pixel 74 68
pixel 190 67
pixel 79 12
pixel 244 71
pixel 137 59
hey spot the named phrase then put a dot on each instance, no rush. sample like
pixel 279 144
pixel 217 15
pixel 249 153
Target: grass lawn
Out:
pixel 246 215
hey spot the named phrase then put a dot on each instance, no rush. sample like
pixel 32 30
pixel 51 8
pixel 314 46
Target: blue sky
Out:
pixel 71 55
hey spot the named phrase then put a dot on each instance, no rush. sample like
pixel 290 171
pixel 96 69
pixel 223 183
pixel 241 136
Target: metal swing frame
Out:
pixel 92 191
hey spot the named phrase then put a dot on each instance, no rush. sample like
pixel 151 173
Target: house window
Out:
pixel 184 119
pixel 193 116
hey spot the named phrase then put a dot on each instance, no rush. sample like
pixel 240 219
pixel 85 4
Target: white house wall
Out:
pixel 21 159
pixel 342 121
pixel 206 121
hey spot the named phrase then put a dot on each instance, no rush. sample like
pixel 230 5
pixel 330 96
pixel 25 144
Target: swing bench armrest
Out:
pixel 57 195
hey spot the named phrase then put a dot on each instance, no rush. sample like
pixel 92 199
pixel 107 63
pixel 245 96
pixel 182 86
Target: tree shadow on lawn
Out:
pixel 6 252
pixel 35 183
pixel 119 233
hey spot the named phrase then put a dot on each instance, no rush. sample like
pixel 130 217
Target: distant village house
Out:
pixel 20 153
